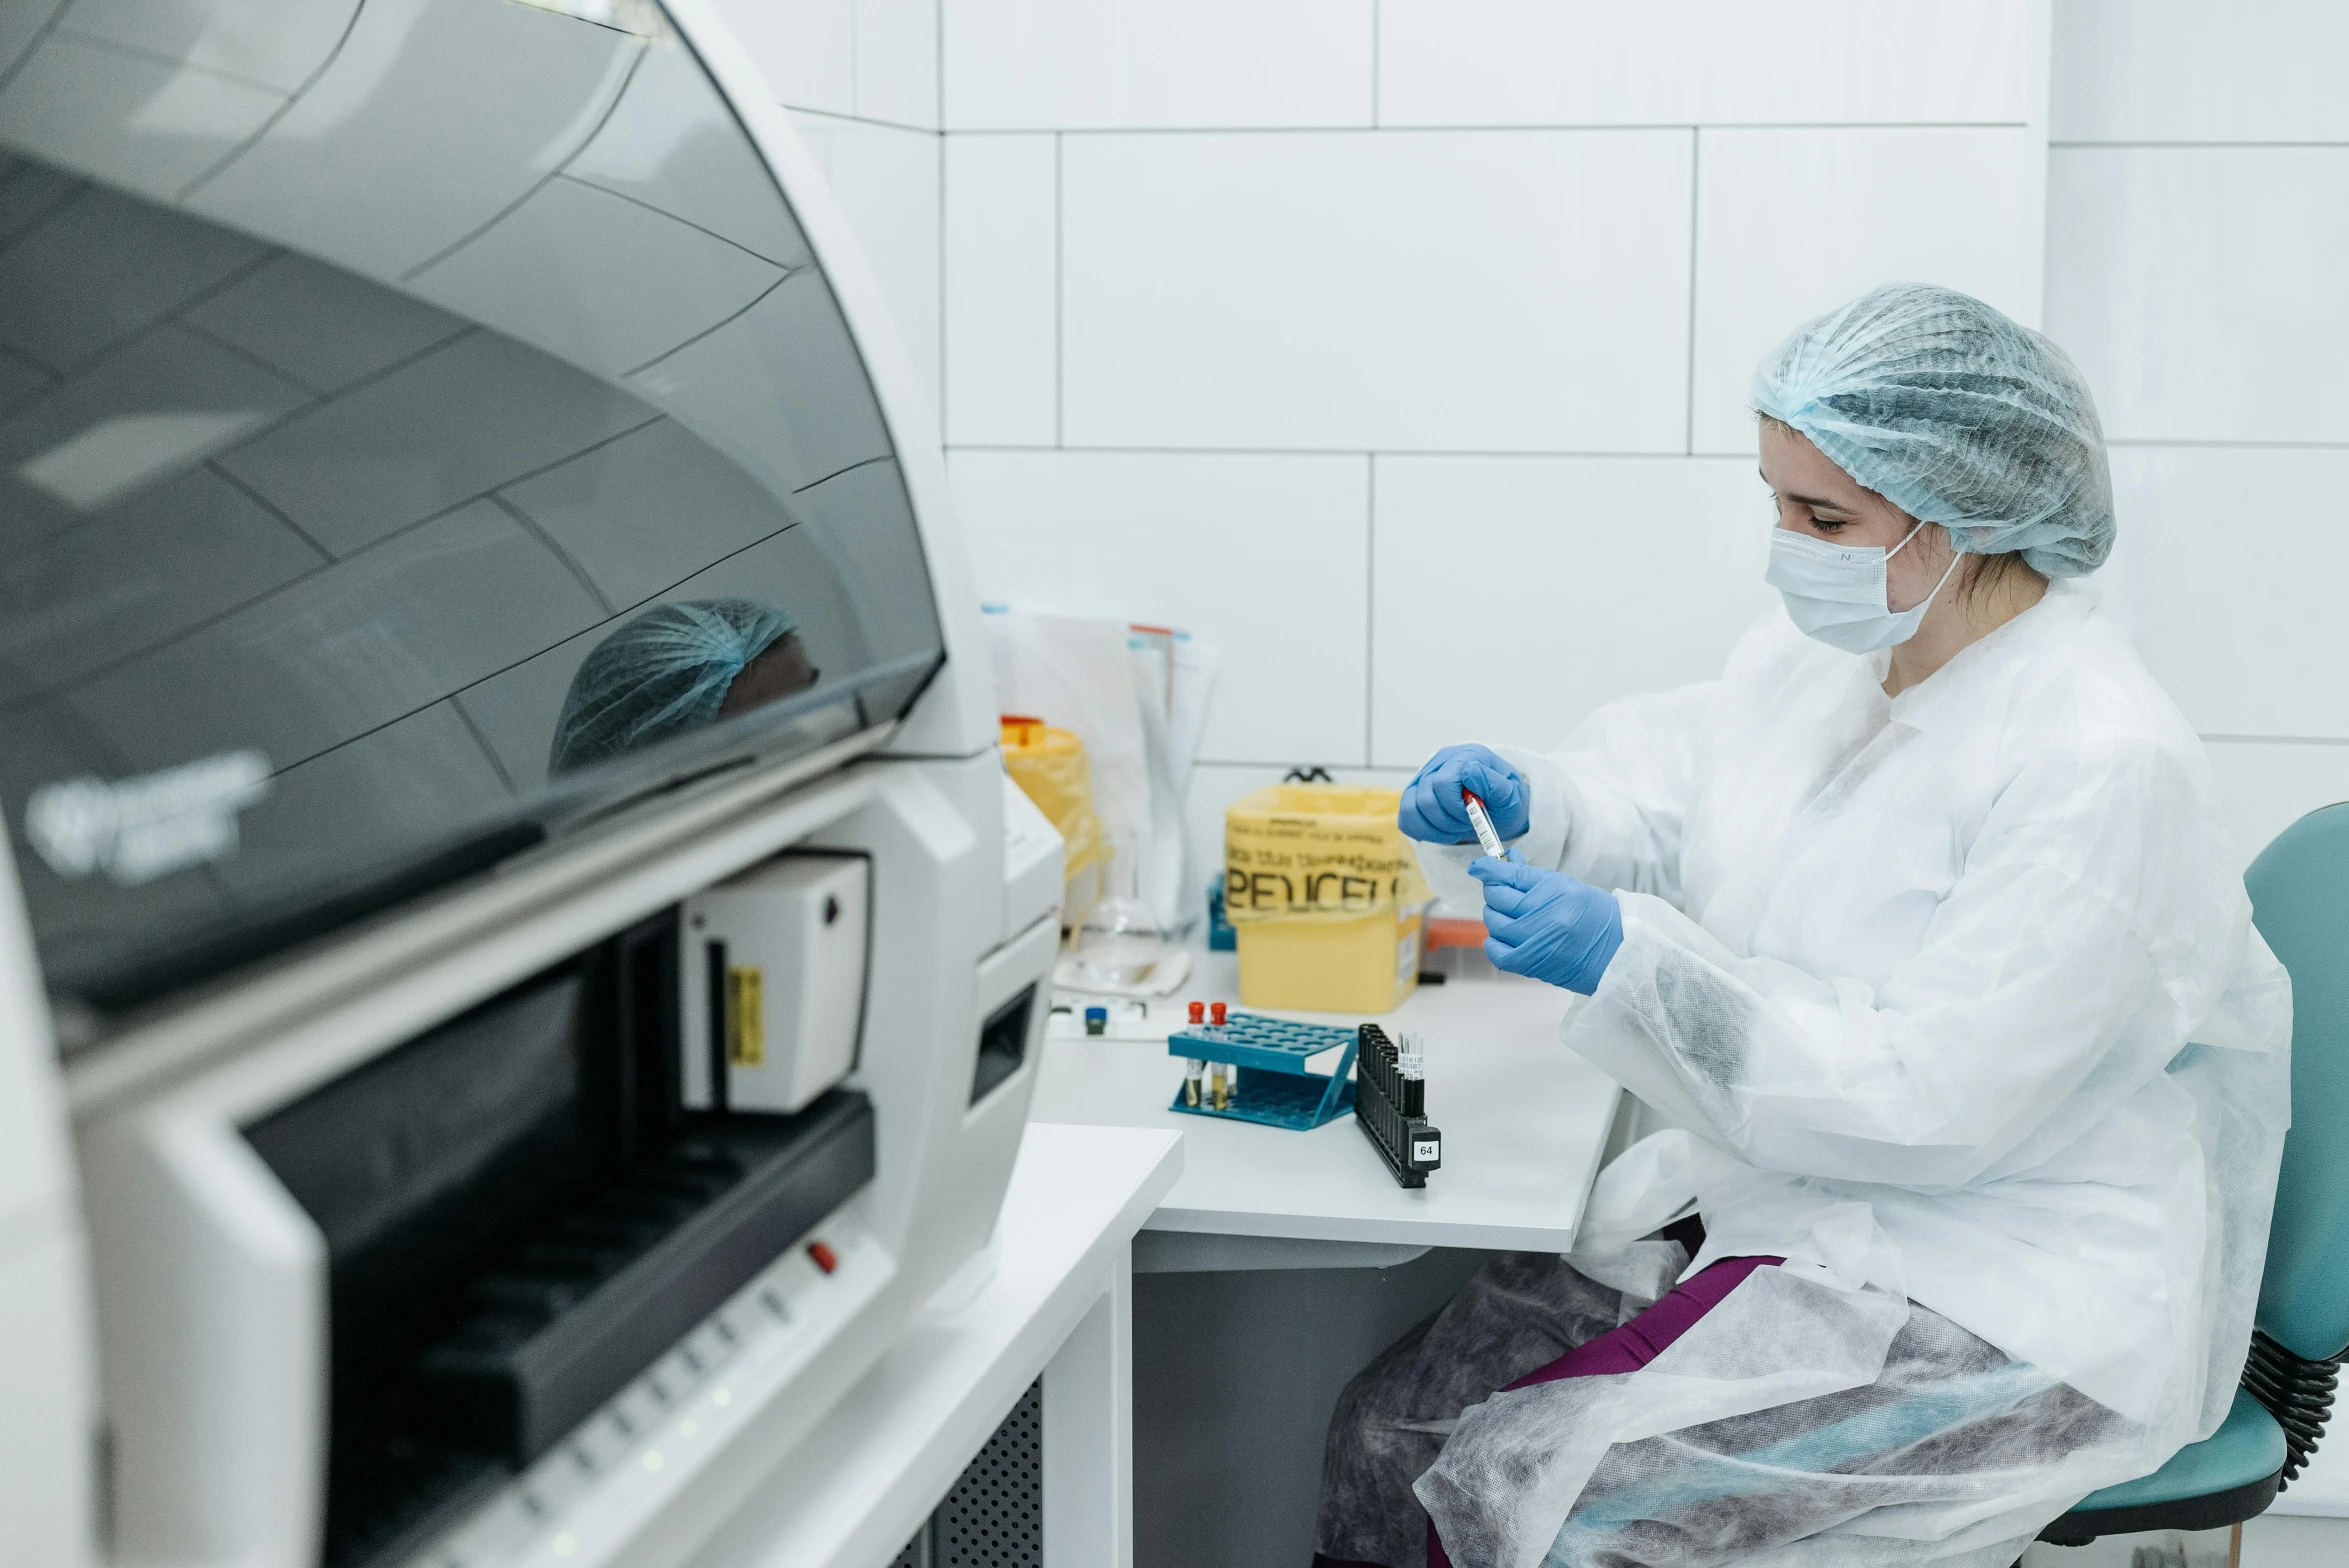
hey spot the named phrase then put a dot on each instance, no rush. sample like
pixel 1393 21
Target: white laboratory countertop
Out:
pixel 856 1491
pixel 1524 1121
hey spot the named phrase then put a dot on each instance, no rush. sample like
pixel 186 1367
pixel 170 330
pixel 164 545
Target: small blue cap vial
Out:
pixel 1096 1020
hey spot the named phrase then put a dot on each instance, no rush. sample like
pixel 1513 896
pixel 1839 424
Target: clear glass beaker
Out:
pixel 1120 943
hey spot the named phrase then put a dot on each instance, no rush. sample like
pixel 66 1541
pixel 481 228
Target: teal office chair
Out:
pixel 2300 901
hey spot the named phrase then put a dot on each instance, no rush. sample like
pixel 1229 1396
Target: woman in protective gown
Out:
pixel 1922 924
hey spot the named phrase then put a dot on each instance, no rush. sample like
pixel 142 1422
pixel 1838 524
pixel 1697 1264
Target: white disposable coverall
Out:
pixel 1959 995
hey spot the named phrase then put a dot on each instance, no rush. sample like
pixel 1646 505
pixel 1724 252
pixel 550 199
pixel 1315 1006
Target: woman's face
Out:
pixel 1817 498
pixel 780 670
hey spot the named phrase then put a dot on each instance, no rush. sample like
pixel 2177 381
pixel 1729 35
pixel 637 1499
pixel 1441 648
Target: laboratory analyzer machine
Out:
pixel 512 981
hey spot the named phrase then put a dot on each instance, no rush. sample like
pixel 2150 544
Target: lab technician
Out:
pixel 1921 922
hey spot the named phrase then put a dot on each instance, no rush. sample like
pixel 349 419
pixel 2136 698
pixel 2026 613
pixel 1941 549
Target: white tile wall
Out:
pixel 2191 271
pixel 1083 64
pixel 2168 1548
pixel 1512 595
pixel 897 61
pixel 1490 290
pixel 862 79
pixel 868 59
pixel 1165 260
pixel 2322 1489
pixel 806 49
pixel 2269 785
pixel 1241 278
pixel 1264 556
pixel 1706 62
pixel 1793 222
pixel 2191 71
pixel 2199 288
pixel 2277 1539
pixel 1002 261
pixel 886 179
pixel 2249 640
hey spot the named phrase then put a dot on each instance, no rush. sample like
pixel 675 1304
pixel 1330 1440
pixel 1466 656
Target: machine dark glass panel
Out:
pixel 366 523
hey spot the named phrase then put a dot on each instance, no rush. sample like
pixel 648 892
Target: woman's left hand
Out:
pixel 1547 924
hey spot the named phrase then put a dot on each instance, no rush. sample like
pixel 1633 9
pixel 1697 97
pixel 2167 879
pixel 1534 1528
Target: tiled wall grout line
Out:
pixel 938 105
pixel 861 119
pixel 1335 128
pixel 1660 455
pixel 2198 146
pixel 1696 143
pixel 2277 740
pixel 2188 444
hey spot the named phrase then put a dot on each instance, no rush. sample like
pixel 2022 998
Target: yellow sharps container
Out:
pixel 1325 897
pixel 1049 766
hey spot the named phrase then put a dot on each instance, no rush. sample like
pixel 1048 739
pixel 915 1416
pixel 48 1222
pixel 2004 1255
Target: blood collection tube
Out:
pixel 1192 1068
pixel 1481 820
pixel 1219 1085
pixel 1215 1012
pixel 1198 1014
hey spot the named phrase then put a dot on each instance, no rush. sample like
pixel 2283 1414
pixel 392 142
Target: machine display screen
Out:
pixel 475 445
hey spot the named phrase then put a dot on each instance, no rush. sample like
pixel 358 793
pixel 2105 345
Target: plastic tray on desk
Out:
pixel 1274 1087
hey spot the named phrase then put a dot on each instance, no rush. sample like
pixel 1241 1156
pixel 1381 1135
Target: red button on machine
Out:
pixel 825 1258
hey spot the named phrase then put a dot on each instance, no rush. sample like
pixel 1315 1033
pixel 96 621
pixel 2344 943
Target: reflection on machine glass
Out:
pixel 372 516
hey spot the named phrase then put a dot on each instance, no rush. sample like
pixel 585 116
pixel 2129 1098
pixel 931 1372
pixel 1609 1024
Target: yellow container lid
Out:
pixel 1035 737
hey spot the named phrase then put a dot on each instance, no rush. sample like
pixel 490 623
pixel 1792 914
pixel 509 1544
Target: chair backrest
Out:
pixel 2300 901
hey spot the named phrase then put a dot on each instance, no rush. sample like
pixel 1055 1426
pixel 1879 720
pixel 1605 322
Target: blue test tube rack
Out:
pixel 1274 1087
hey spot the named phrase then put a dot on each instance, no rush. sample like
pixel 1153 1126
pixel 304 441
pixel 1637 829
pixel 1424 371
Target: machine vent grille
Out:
pixel 994 1516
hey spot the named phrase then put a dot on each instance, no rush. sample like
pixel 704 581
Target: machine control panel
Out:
pixel 587 1498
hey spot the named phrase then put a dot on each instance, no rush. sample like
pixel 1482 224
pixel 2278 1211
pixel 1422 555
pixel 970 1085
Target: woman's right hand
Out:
pixel 1432 812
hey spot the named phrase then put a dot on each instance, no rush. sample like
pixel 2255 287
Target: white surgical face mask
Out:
pixel 1835 592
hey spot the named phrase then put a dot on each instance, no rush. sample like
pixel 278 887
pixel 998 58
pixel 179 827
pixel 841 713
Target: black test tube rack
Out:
pixel 1391 1110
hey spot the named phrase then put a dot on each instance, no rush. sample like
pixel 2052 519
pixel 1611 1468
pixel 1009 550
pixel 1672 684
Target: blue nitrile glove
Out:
pixel 1547 924
pixel 1432 812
